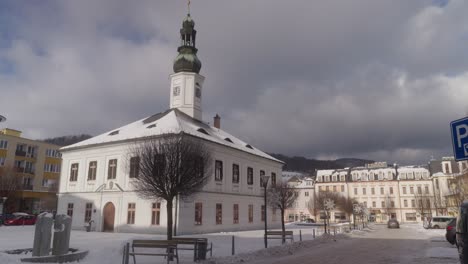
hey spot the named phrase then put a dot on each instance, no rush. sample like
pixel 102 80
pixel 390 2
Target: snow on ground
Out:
pixel 106 248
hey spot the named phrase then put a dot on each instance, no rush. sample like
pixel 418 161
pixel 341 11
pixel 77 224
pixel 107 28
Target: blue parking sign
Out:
pixel 460 138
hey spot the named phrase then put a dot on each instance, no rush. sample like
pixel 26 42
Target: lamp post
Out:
pixel 264 180
pixel 3 210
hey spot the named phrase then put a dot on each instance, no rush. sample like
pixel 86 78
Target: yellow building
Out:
pixel 36 166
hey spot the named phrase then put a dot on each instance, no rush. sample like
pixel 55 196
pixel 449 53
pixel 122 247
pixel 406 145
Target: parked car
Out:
pixel 450 233
pixel 393 223
pixel 5 217
pixel 309 220
pixel 462 233
pixel 441 221
pixel 22 220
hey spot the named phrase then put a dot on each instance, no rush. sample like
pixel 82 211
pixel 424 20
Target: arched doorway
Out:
pixel 109 216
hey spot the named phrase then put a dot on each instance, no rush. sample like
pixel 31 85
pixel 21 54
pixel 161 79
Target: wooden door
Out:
pixel 109 216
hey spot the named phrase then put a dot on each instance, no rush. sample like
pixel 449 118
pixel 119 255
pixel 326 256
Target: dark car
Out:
pixel 309 220
pixel 462 233
pixel 393 223
pixel 22 220
pixel 450 233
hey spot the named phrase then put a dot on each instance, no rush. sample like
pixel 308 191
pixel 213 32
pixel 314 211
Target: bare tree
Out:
pixel 320 203
pixel 9 184
pixel 346 204
pixel 423 204
pixel 168 167
pixel 282 196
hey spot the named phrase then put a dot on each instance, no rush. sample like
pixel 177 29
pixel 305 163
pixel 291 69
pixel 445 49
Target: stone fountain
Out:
pixel 60 252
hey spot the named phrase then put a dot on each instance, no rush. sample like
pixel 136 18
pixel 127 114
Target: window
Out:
pixel 74 172
pixel 428 203
pixel 250 213
pixel 404 189
pixel 413 203
pixel 45 183
pixel 419 190
pixel 373 191
pixel 263 213
pixel 392 204
pixel 437 183
pixel 405 203
pixel 327 188
pixel 262 173
pixel 88 212
pixel 334 188
pixel 235 173
pixel 70 210
pixel 250 176
pixel 383 204
pixel 2 161
pixel 342 178
pixel 411 190
pixel 218 170
pixel 131 214
pixel 198 213
pixel 306 194
pixel 3 144
pixel 273 179
pixel 155 213
pixel 364 191
pixel 342 188
pixel 355 191
pixel 410 216
pixel 365 203
pixel 426 189
pixel 92 171
pixel 391 190
pixel 112 169
pixel 235 214
pixel 374 204
pixel 219 214
pixel 134 167
pixel 382 190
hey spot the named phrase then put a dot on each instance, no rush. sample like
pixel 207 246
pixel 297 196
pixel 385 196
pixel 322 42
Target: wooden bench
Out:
pixel 196 243
pixel 169 246
pixel 279 235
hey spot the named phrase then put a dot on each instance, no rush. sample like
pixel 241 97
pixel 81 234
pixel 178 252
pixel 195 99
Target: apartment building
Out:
pixel 36 165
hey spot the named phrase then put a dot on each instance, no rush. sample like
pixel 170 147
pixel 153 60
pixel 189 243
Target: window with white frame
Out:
pixel 218 170
pixel 3 144
pixel 74 172
pixel 334 178
pixel 112 169
pixel 2 161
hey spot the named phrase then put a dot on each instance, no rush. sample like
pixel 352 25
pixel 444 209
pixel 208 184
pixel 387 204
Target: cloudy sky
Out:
pixel 375 79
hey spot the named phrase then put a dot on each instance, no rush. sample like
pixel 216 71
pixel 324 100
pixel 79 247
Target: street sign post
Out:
pixel 459 129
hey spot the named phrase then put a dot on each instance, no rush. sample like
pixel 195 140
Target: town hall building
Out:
pixel 96 182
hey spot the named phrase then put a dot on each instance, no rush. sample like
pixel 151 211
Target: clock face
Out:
pixel 198 92
pixel 176 91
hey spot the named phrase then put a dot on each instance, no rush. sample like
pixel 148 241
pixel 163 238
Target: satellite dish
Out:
pixel 2 118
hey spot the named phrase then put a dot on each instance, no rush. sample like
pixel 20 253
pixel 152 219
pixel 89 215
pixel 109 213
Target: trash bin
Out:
pixel 202 245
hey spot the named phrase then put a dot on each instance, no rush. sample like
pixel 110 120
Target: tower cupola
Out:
pixel 187 60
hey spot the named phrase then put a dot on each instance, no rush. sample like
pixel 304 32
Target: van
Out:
pixel 441 221
pixel 462 233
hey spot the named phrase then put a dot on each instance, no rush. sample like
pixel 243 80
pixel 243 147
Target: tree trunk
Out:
pixel 282 225
pixel 169 218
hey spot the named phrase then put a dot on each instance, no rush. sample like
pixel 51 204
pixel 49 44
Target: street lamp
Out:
pixel 3 209
pixel 264 181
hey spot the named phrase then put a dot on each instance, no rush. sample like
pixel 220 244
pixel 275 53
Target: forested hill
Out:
pixel 67 140
pixel 302 164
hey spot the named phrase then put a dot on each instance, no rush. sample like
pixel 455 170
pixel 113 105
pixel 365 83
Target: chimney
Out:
pixel 217 121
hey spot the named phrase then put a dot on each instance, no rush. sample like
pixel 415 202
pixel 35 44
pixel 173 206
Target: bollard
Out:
pixel 334 231
pixel 313 233
pixel 127 256
pixel 233 247
pixel 300 235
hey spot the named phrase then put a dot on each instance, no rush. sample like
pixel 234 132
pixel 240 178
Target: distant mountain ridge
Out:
pixel 302 164
pixel 67 140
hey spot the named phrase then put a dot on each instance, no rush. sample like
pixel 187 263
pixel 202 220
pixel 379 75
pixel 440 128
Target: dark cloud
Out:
pixel 372 79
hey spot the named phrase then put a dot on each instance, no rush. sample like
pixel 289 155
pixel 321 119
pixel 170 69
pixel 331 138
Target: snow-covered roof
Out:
pixel 173 121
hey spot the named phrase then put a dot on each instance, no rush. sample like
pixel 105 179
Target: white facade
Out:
pixel 96 185
pixel 387 192
pixel 303 207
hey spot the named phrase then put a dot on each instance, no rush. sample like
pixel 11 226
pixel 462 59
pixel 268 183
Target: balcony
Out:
pixel 26 187
pixel 20 153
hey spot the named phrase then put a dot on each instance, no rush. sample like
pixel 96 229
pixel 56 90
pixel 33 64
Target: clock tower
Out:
pixel 186 82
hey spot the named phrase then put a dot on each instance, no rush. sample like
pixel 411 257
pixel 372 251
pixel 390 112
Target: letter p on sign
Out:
pixel 459 130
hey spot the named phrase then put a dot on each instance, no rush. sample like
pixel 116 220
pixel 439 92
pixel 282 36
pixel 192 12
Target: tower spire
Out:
pixel 187 60
pixel 188 6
